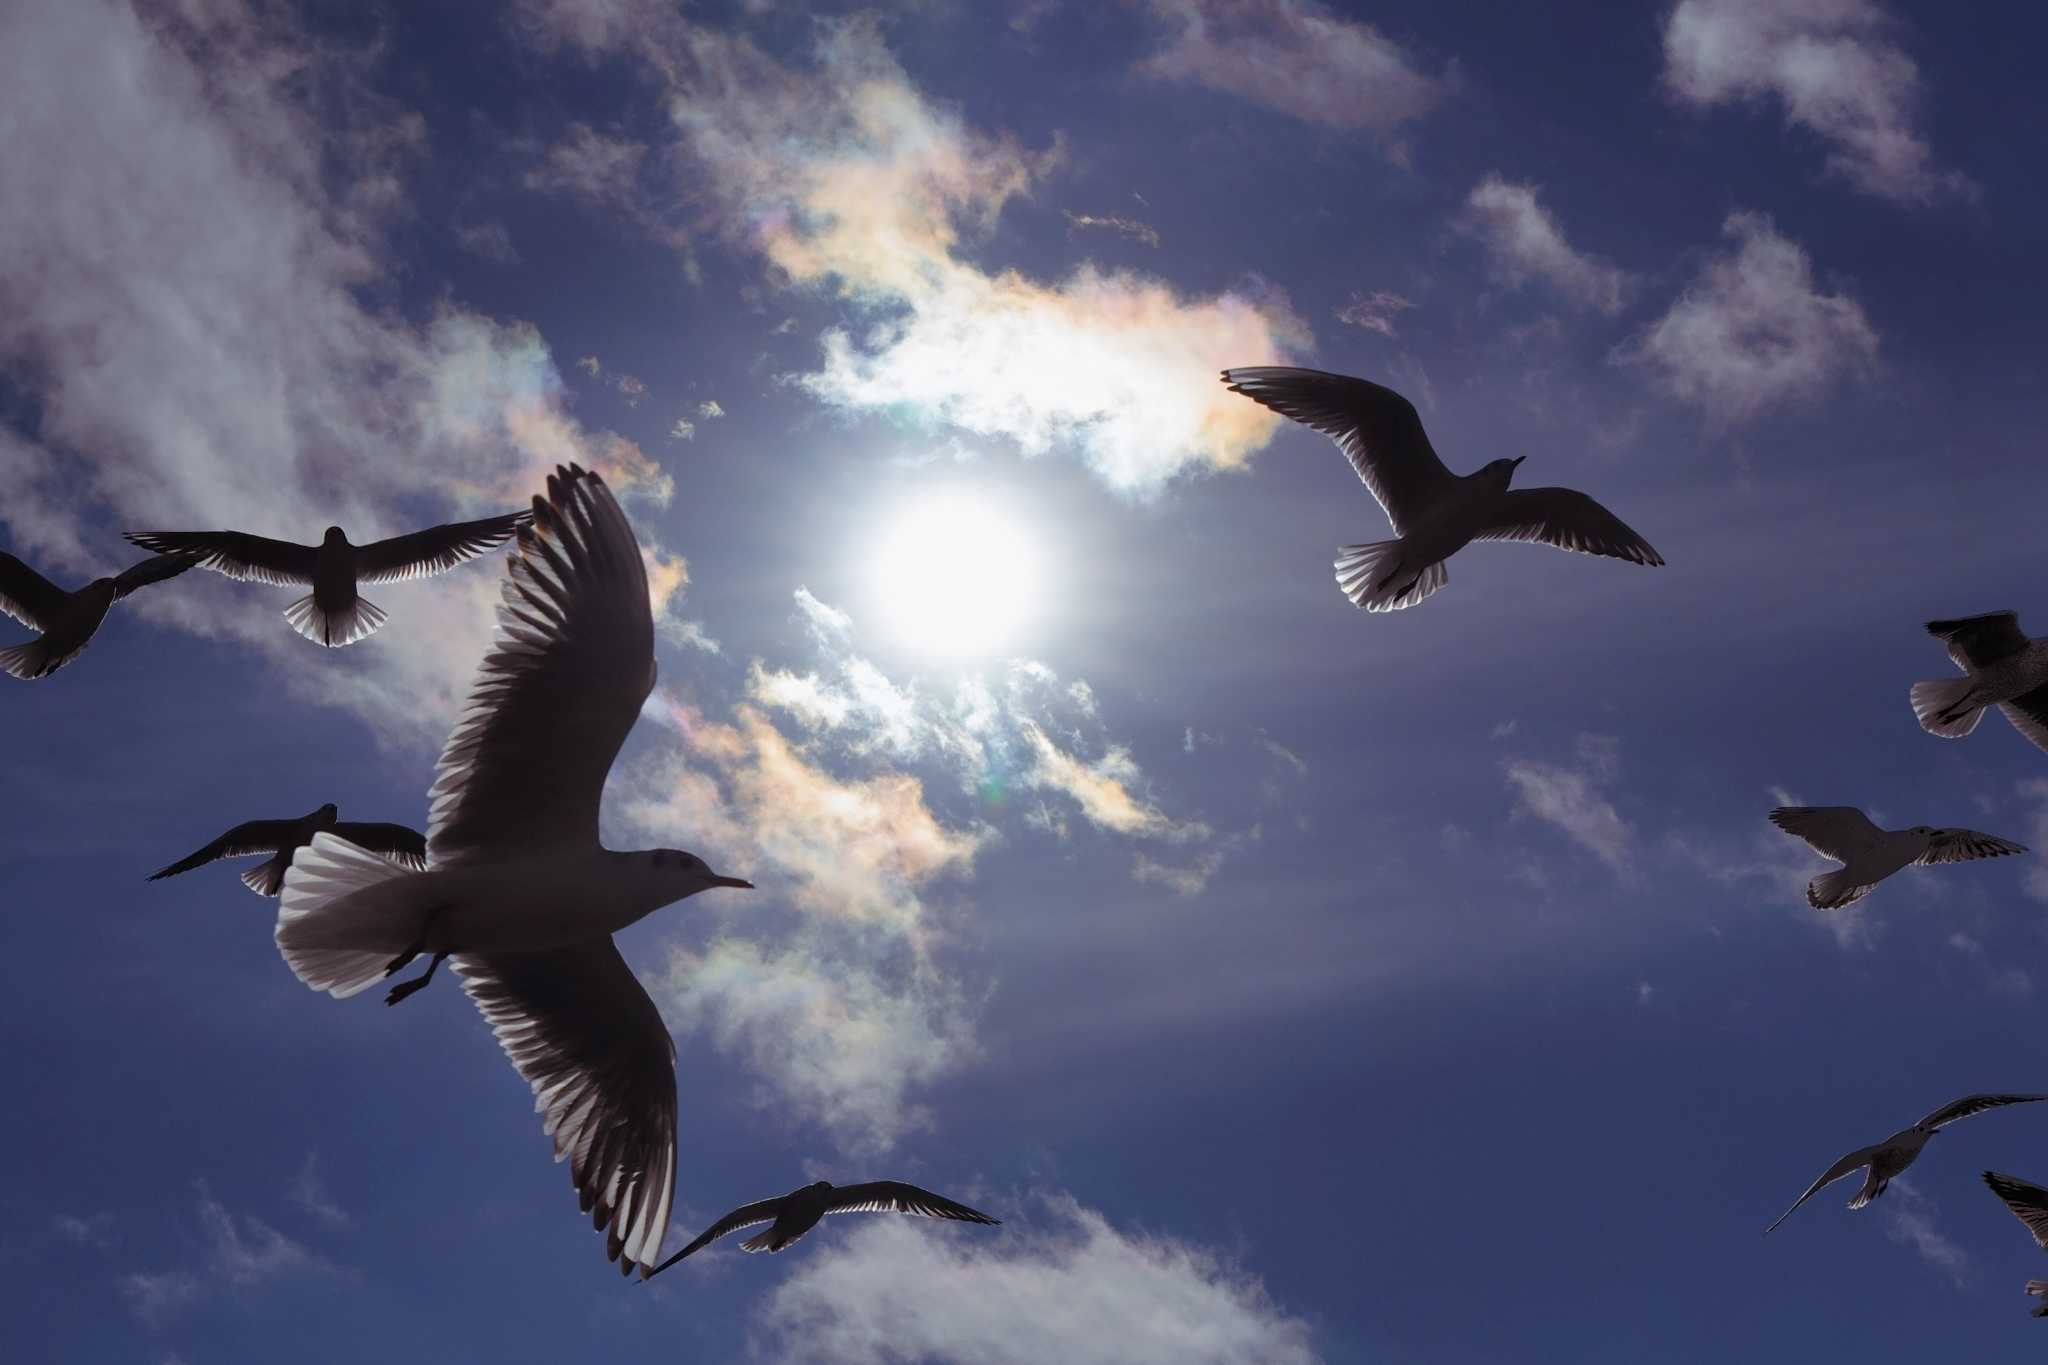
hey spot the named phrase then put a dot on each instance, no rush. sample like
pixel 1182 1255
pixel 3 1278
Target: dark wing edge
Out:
pixel 1569 520
pixel 1962 845
pixel 27 596
pixel 250 559
pixel 2028 1202
pixel 745 1216
pixel 155 569
pixel 1854 1161
pixel 1799 822
pixel 894 1196
pixel 435 550
pixel 402 844
pixel 245 840
pixel 1974 641
pixel 1972 1104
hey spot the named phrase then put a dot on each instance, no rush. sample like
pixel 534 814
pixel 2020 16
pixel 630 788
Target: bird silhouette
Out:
pixel 2029 1204
pixel 1434 512
pixel 1898 1151
pixel 67 620
pixel 1868 854
pixel 519 891
pixel 2001 668
pixel 333 614
pixel 796 1213
pixel 279 839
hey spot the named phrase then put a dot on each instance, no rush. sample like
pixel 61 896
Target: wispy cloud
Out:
pixel 1573 797
pixel 1297 57
pixel 1909 1219
pixel 236 1251
pixel 1753 331
pixel 1375 312
pixel 1524 241
pixel 309 1191
pixel 1836 69
pixel 1116 223
pixel 95 1230
pixel 1063 1285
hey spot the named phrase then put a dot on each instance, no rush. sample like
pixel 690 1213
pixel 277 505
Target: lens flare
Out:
pixel 955 577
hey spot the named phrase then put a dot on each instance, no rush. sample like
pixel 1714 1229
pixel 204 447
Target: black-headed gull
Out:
pixel 279 839
pixel 332 614
pixel 1434 512
pixel 2029 1204
pixel 796 1213
pixel 67 620
pixel 2001 667
pixel 1868 854
pixel 1896 1152
pixel 518 889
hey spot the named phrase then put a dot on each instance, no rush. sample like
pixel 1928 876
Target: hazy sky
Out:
pixel 1297 984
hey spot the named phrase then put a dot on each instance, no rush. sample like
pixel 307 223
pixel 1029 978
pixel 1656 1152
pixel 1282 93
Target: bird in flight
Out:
pixel 1434 512
pixel 2001 667
pixel 2029 1204
pixel 279 839
pixel 333 614
pixel 796 1213
pixel 1868 854
pixel 67 620
pixel 1897 1152
pixel 519 891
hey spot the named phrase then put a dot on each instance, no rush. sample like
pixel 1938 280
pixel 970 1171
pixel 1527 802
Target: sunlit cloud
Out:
pixel 1524 241
pixel 1375 312
pixel 1574 798
pixel 1061 1283
pixel 1137 231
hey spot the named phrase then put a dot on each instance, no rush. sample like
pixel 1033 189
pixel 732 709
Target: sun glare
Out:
pixel 955 577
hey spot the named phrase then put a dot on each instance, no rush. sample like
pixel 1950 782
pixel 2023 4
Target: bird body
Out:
pixel 791 1215
pixel 1869 854
pixel 519 892
pixel 334 613
pixel 1893 1155
pixel 280 839
pixel 2001 667
pixel 67 621
pixel 1434 513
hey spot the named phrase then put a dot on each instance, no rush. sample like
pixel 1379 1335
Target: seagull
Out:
pixel 67 620
pixel 518 889
pixel 2003 668
pixel 1870 854
pixel 1434 512
pixel 332 614
pixel 2029 1204
pixel 281 838
pixel 797 1212
pixel 1896 1152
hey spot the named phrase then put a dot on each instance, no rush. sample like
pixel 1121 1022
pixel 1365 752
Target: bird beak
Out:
pixel 740 883
pixel 1518 461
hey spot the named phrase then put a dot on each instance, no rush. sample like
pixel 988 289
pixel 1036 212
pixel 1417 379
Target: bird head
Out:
pixel 335 536
pixel 681 874
pixel 1921 829
pixel 1502 472
pixel 819 1186
pixel 329 813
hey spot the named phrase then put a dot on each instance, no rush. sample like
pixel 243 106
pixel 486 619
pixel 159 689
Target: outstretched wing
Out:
pixel 155 569
pixel 1377 429
pixel 2028 1202
pixel 1971 1104
pixel 1961 845
pixel 745 1216
pixel 1570 520
pixel 893 1196
pixel 554 699
pixel 2028 713
pixel 1854 1161
pixel 400 843
pixel 243 841
pixel 434 550
pixel 252 559
pixel 581 1030
pixel 1830 831
pixel 1975 641
pixel 27 596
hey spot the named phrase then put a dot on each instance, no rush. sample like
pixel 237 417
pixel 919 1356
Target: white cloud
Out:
pixel 237 1251
pixel 845 178
pixel 1752 331
pixel 490 241
pixel 1909 1220
pixel 1572 797
pixel 1063 1285
pixel 1375 312
pixel 310 1193
pixel 1523 241
pixel 1116 223
pixel 1834 67
pixel 682 429
pixel 1297 57
pixel 590 165
pixel 709 409
pixel 93 1230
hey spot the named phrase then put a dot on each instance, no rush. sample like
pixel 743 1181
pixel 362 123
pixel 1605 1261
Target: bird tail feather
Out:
pixel 1833 890
pixel 267 877
pixel 1939 707
pixel 2039 1287
pixel 358 621
pixel 764 1240
pixel 345 914
pixel 31 660
pixel 1869 1192
pixel 1375 578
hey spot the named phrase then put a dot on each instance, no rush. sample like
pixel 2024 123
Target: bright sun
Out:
pixel 955 577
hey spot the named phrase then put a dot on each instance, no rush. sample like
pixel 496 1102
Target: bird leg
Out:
pixel 418 983
pixel 419 945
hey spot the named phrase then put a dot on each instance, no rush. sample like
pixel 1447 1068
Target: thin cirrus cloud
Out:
pixel 238 1250
pixel 1754 331
pixel 844 178
pixel 1061 1284
pixel 229 375
pixel 1836 69
pixel 1574 798
pixel 1524 242
pixel 1295 57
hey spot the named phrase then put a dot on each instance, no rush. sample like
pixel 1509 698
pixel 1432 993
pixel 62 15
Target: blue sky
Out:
pixel 1297 985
